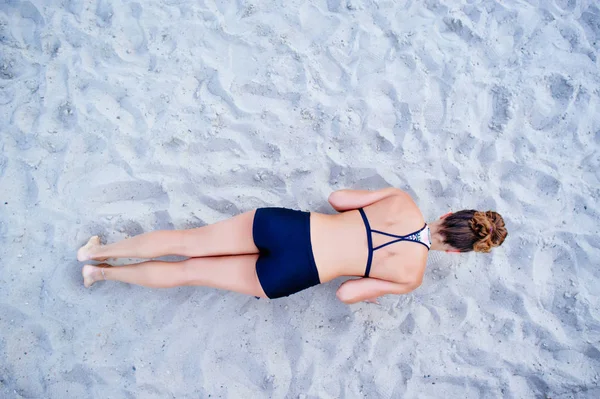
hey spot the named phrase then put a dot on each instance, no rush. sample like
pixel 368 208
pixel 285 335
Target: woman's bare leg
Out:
pixel 233 273
pixel 228 237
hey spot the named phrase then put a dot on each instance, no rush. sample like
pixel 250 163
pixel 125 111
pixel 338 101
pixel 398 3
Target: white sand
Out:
pixel 120 117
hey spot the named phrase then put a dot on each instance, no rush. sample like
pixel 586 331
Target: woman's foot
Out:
pixel 87 251
pixel 92 273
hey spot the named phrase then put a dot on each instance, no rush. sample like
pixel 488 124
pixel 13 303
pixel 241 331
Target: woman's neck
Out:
pixel 437 240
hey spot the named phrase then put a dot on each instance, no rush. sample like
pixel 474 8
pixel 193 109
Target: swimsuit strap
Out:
pixel 412 237
pixel 369 241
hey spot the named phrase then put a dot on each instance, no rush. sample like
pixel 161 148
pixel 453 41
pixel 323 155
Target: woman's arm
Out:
pixel 344 200
pixel 362 289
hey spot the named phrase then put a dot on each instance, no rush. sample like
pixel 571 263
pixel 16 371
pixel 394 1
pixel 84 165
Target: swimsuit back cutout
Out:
pixel 420 236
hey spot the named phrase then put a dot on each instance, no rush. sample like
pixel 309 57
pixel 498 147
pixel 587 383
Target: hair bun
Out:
pixel 471 230
pixel 489 229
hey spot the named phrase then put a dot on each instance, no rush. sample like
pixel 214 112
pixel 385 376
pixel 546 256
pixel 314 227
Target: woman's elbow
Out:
pixel 335 200
pixel 332 197
pixel 342 296
pixel 345 295
pixel 413 286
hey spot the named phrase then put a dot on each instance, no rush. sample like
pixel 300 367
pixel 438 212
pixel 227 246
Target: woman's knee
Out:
pixel 190 271
pixel 186 242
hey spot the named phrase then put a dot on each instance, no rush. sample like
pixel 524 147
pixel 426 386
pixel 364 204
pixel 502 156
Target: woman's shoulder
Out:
pixel 401 203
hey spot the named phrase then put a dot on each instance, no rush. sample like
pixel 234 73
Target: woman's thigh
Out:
pixel 228 237
pixel 234 273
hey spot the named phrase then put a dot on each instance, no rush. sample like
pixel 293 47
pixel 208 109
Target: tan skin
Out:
pixel 223 255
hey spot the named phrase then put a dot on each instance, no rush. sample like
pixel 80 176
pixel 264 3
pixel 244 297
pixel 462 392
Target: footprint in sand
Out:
pixel 104 12
pixel 66 114
pixel 460 28
pixel 549 101
pixel 591 24
pixel 75 7
pixel 501 108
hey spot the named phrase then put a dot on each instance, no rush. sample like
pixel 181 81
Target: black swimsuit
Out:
pixel 286 263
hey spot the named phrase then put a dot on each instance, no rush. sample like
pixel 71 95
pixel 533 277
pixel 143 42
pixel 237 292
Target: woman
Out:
pixel 275 252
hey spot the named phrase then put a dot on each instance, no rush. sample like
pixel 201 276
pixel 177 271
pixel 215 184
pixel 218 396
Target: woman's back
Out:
pixel 340 242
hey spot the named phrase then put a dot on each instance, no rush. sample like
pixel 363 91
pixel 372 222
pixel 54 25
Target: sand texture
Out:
pixel 120 117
